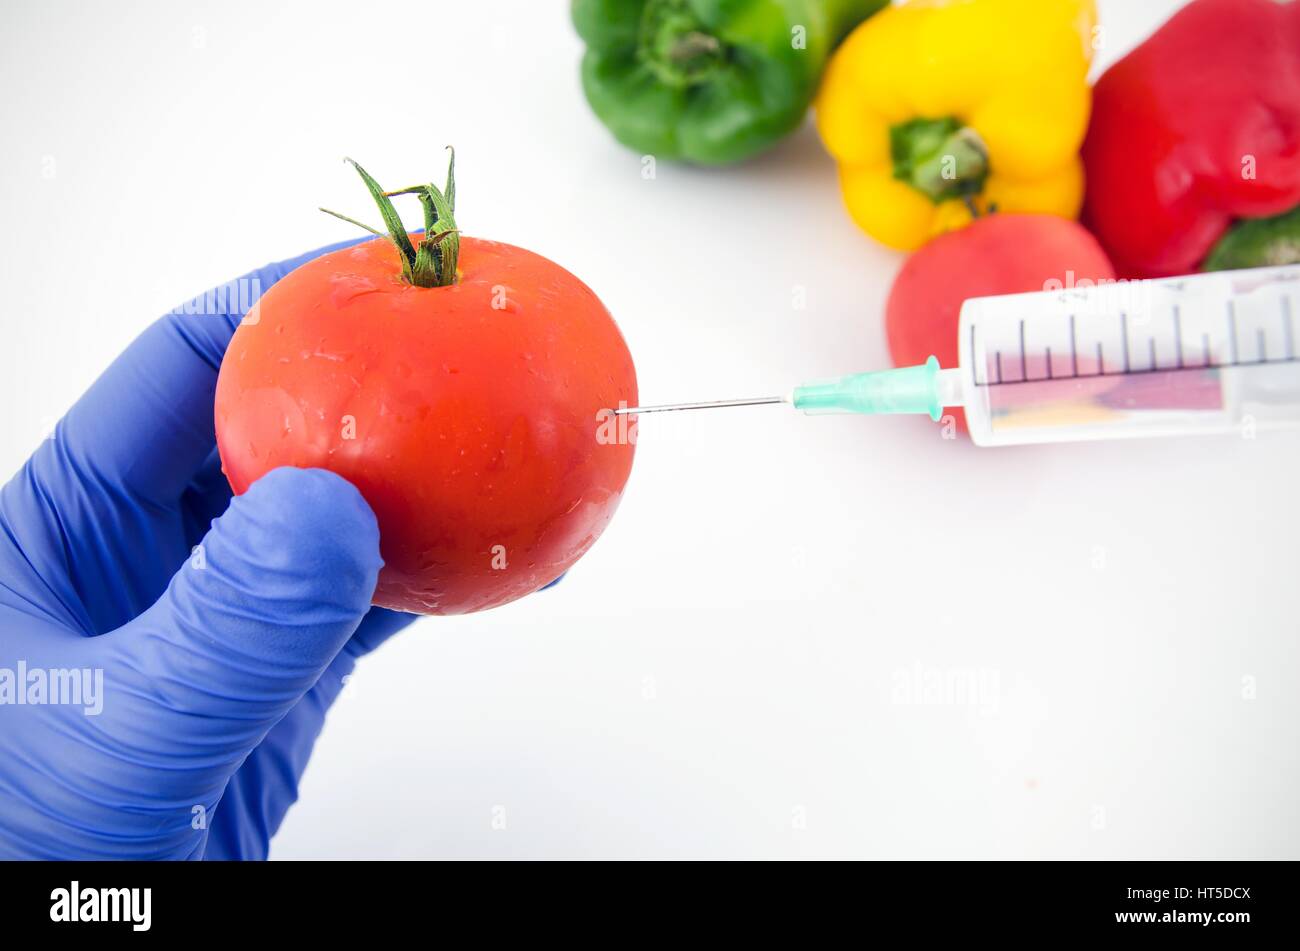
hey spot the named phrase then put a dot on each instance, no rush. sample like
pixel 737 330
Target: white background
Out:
pixel 723 674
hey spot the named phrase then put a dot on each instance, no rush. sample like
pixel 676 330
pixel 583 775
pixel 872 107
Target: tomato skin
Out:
pixel 466 415
pixel 994 255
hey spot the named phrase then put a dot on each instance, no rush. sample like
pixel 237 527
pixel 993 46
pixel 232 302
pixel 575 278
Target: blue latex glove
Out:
pixel 218 665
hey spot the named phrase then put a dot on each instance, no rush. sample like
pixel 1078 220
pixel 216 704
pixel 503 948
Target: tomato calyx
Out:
pixel 433 263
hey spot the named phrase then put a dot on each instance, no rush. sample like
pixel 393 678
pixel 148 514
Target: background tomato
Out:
pixel 997 254
pixel 465 414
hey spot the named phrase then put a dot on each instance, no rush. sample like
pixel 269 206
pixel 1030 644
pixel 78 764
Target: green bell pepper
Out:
pixel 708 81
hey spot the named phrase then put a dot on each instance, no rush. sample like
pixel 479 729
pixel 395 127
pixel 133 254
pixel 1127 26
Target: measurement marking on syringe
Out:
pixel 1074 350
pixel 1147 370
pixel 1287 327
pixel 1178 337
pixel 1024 364
pixel 1123 323
pixel 1232 332
pixel 1213 354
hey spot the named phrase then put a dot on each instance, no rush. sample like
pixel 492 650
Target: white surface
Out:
pixel 722 675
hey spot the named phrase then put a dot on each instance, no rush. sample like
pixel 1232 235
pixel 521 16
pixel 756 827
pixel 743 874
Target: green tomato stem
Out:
pixel 433 263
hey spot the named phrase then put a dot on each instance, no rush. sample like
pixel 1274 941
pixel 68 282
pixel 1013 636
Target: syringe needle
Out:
pixel 716 404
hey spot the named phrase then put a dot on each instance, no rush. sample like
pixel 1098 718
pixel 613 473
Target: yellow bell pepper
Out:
pixel 935 109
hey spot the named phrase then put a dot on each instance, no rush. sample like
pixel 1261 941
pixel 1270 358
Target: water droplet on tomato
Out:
pixel 348 287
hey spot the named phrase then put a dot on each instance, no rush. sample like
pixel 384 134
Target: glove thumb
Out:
pixel 248 625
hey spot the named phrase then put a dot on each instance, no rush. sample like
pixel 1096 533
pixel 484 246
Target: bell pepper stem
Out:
pixel 941 158
pixel 674 45
pixel 692 45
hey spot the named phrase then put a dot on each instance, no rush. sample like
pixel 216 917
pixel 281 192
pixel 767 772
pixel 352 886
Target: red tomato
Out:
pixel 996 254
pixel 466 415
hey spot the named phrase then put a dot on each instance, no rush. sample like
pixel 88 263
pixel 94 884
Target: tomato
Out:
pixel 996 254
pixel 466 414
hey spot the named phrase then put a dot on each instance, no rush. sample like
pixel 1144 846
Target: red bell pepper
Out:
pixel 1194 131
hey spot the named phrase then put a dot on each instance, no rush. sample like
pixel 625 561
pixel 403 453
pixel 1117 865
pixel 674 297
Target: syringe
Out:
pixel 1178 356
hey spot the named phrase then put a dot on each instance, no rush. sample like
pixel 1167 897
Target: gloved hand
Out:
pixel 192 682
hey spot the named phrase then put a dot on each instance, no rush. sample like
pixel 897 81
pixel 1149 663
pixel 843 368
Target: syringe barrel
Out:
pixel 1209 353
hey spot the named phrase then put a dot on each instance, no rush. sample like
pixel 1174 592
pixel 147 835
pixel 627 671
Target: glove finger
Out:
pixel 261 791
pixel 245 629
pixel 208 496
